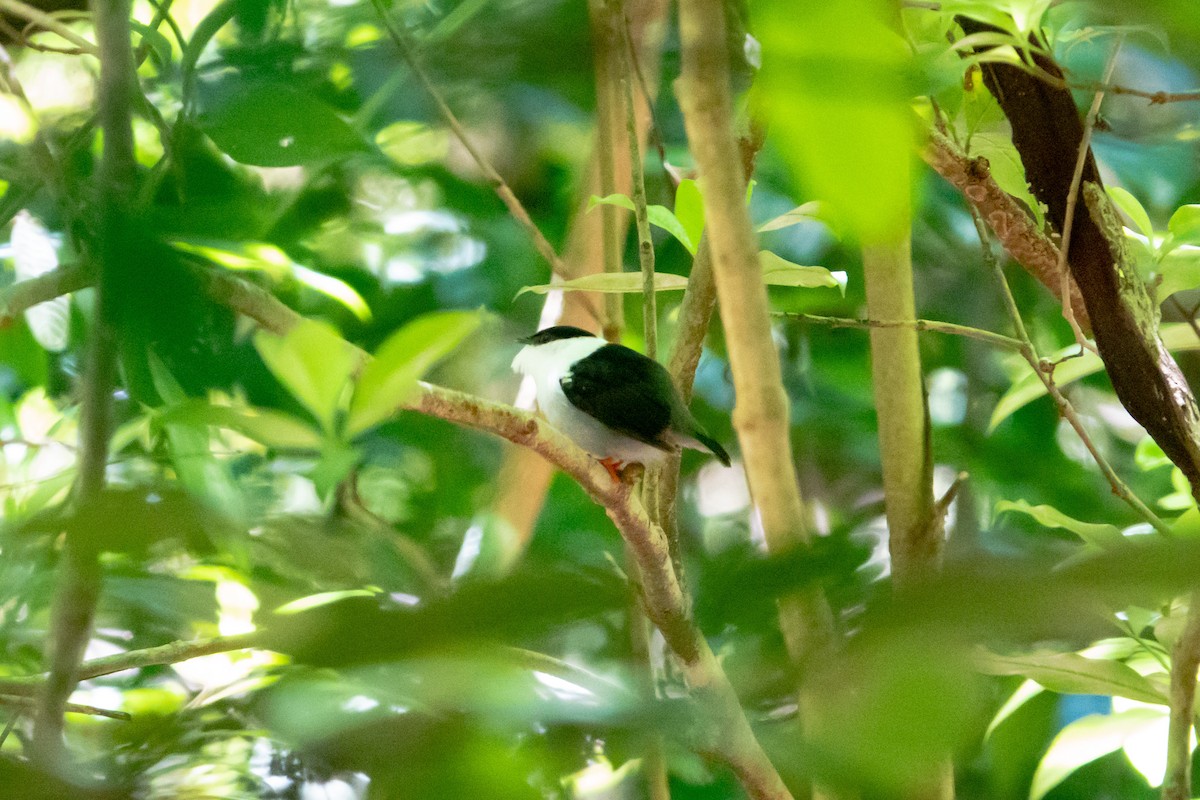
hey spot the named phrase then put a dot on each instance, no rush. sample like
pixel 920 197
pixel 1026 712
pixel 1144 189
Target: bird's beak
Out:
pixel 525 339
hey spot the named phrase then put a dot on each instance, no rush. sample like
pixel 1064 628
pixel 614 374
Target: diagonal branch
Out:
pixel 1014 228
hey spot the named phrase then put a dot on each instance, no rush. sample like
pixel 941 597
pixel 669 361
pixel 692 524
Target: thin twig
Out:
pixel 499 185
pixel 27 704
pixel 27 12
pixel 645 242
pixel 930 325
pixel 1065 409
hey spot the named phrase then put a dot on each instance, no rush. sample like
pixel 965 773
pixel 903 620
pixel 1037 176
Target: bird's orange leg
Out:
pixel 614 468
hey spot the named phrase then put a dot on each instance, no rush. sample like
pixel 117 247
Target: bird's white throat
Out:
pixel 548 363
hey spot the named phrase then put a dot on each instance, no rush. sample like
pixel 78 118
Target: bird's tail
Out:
pixel 713 446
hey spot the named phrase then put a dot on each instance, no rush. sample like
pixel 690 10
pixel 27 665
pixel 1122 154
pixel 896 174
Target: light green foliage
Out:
pixel 314 364
pixel 416 628
pixel 842 76
pixel 390 378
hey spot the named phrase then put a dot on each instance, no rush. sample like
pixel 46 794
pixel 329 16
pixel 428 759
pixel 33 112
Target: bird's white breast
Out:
pixel 548 364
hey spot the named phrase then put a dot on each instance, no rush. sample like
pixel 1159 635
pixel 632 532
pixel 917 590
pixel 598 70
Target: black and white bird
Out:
pixel 614 402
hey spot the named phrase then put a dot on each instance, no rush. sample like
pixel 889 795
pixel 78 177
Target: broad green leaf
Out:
pixel 659 216
pixel 266 426
pixel 781 272
pixel 313 363
pixel 1180 271
pixel 1028 387
pixel 1133 208
pixel 664 218
pixel 1071 673
pixel 391 377
pixel 1093 533
pixel 272 124
pixel 1005 166
pixel 612 283
pixel 808 212
pixel 689 208
pixel 1184 224
pixel 838 75
pixel 1085 740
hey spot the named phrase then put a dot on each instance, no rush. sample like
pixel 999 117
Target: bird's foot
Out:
pixel 614 468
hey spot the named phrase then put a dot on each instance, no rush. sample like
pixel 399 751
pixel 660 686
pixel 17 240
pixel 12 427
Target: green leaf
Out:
pixel 1094 533
pixel 266 426
pixel 1071 673
pixel 391 377
pixel 1028 387
pixel 689 208
pixel 612 283
pixel 659 216
pixel 781 272
pixel 838 75
pixel 1130 205
pixel 1184 224
pixel 271 260
pixel 664 218
pixel 808 212
pixel 1085 740
pixel 313 363
pixel 1180 271
pixel 271 124
pixel 190 449
pixel 1024 693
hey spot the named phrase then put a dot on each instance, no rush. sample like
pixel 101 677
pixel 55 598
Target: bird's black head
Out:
pixel 554 334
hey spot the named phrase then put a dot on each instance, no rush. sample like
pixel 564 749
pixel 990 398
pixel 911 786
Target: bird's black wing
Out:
pixel 625 390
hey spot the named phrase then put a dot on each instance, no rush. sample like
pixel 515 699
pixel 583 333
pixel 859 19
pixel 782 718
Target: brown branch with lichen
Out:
pixel 1015 229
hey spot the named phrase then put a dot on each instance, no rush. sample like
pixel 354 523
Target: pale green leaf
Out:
pixel 662 217
pixel 1180 271
pixel 1028 387
pixel 1005 166
pixel 838 74
pixel 781 272
pixel 1184 224
pixel 309 602
pixel 808 212
pixel 313 363
pixel 619 200
pixel 689 208
pixel 1085 740
pixel 1071 673
pixel 612 283
pixel 391 377
pixel 1024 693
pixel 272 261
pixel 659 216
pixel 1093 533
pixel 1133 209
pixel 266 426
